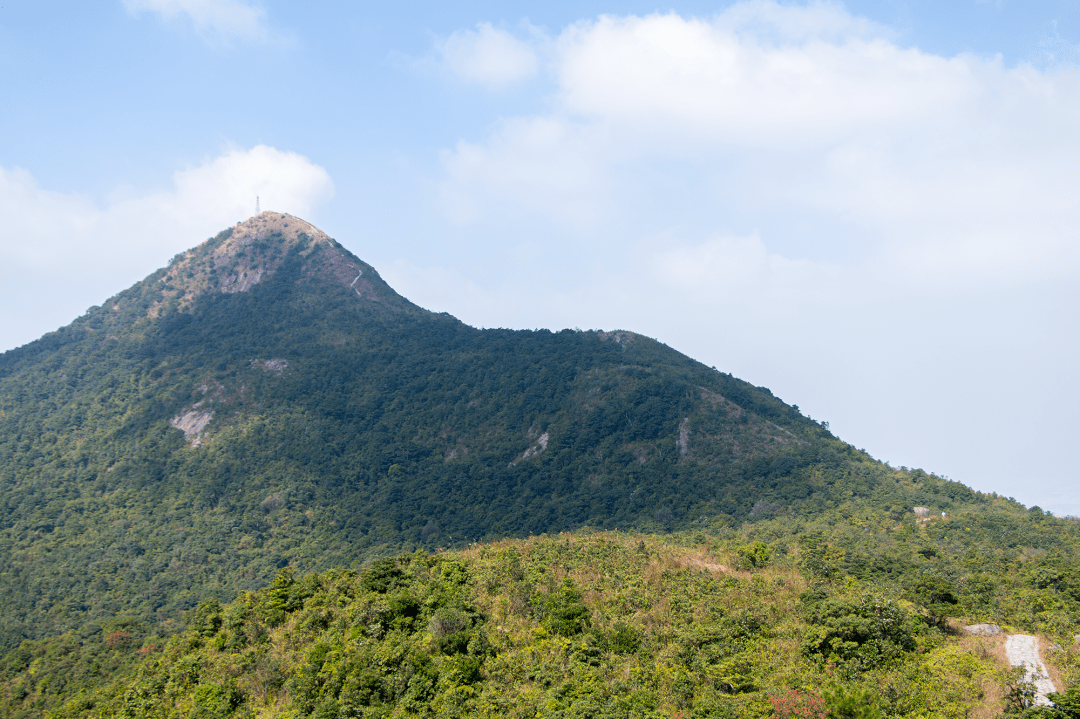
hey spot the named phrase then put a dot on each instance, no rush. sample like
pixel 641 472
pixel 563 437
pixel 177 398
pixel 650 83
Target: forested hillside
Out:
pixel 267 402
pixel 783 618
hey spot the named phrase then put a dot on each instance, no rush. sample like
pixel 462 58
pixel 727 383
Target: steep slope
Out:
pixel 267 400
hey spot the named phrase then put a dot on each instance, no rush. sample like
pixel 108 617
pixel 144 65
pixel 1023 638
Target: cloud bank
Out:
pixel 932 166
pixel 487 56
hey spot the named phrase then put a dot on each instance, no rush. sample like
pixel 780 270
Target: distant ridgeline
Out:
pixel 268 401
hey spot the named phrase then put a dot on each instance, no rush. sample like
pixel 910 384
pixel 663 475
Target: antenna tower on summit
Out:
pixel 256 204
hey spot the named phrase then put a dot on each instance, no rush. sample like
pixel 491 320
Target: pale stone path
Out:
pixel 1023 651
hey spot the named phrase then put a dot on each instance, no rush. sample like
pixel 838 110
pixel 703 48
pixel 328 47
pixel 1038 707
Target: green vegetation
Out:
pixel 266 418
pixel 380 428
pixel 576 625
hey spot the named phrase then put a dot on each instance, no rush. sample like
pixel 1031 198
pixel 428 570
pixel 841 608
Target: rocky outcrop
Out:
pixel 983 630
pixel 683 442
pixel 192 424
pixel 534 451
pixel 275 366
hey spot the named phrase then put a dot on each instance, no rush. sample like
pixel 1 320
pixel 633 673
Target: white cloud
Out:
pixel 934 166
pixel 823 21
pixel 32 213
pixel 729 85
pixel 55 239
pixel 538 165
pixel 725 265
pixel 213 19
pixel 225 186
pixel 488 56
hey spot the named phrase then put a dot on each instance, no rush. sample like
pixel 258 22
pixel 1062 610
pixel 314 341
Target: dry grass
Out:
pixel 991 651
pixel 701 559
pixel 1050 660
pixel 775 590
pixel 994 648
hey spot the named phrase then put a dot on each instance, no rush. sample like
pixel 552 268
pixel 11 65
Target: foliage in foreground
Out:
pixel 586 625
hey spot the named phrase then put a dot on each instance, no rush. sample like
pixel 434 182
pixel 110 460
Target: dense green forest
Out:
pixel 266 402
pixel 782 618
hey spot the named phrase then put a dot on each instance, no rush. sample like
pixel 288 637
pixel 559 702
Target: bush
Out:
pixel 1066 704
pixel 451 629
pixel 624 638
pixel 563 612
pixel 753 556
pixel 860 633
pixel 205 618
pixel 794 704
pixel 938 596
pixel 817 560
pixel 851 703
pixel 214 700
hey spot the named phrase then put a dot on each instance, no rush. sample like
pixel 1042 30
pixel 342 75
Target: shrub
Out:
pixel 1066 704
pixel 938 596
pixel 794 704
pixel 753 556
pixel 205 618
pixel 214 700
pixel 860 633
pixel 817 560
pixel 851 703
pixel 563 612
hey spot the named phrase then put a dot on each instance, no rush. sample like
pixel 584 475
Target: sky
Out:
pixel 871 208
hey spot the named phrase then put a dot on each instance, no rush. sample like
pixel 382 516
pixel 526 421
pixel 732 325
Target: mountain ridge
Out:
pixel 268 400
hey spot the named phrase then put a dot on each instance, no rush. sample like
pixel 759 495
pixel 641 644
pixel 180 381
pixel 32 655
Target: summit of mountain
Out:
pixel 267 400
pixel 240 258
pixel 236 260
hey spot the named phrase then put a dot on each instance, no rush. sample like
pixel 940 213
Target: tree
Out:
pixel 938 596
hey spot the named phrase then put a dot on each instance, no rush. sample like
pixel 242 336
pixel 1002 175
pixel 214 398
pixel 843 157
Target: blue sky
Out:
pixel 870 208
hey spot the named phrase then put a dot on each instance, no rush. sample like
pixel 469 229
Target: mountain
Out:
pixel 267 400
pixel 204 483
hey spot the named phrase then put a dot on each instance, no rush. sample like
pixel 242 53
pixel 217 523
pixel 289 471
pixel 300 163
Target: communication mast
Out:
pixel 256 204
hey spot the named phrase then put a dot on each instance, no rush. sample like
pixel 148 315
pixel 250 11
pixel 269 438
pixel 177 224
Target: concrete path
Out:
pixel 1022 650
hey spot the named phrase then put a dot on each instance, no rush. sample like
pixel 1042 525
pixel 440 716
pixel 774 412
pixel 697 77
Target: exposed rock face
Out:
pixel 240 282
pixel 683 442
pixel 921 512
pixel 535 450
pixel 192 424
pixel 983 630
pixel 277 366
pixel 253 252
pixel 1022 650
pixel 756 428
pixel 621 338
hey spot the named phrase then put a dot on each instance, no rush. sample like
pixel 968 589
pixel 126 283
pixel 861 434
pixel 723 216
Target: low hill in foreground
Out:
pixel 599 625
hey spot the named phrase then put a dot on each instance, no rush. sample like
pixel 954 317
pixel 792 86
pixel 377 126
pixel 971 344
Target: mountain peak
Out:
pixel 252 251
pixel 238 258
pixel 269 223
